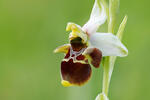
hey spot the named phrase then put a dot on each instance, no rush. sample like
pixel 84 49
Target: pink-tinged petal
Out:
pixel 75 73
pixel 97 18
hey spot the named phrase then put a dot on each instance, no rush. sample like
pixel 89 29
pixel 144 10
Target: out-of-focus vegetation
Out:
pixel 31 29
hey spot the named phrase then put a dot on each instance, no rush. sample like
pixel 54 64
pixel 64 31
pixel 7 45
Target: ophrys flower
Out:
pixel 87 47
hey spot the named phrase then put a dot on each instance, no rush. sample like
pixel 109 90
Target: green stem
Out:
pixel 106 76
pixel 108 69
pixel 110 60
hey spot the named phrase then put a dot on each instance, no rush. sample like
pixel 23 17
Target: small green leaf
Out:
pixel 122 27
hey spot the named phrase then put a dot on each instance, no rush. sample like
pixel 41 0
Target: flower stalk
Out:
pixel 109 61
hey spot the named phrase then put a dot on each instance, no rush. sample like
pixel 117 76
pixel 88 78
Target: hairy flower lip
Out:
pixel 75 68
pixel 75 73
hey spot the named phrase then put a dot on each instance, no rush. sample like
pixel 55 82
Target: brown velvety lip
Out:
pixel 75 73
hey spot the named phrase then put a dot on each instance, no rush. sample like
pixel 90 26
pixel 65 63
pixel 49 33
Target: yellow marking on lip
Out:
pixel 66 83
pixel 80 61
pixel 76 61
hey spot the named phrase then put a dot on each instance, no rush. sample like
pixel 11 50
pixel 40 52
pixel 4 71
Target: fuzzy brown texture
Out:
pixel 96 57
pixel 75 73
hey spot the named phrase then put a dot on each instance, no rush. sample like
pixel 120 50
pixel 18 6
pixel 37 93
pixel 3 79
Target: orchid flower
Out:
pixel 87 47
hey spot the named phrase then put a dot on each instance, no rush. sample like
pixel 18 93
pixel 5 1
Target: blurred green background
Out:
pixel 31 29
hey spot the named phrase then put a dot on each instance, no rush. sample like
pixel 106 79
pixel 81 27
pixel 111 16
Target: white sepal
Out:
pixel 109 44
pixel 97 18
